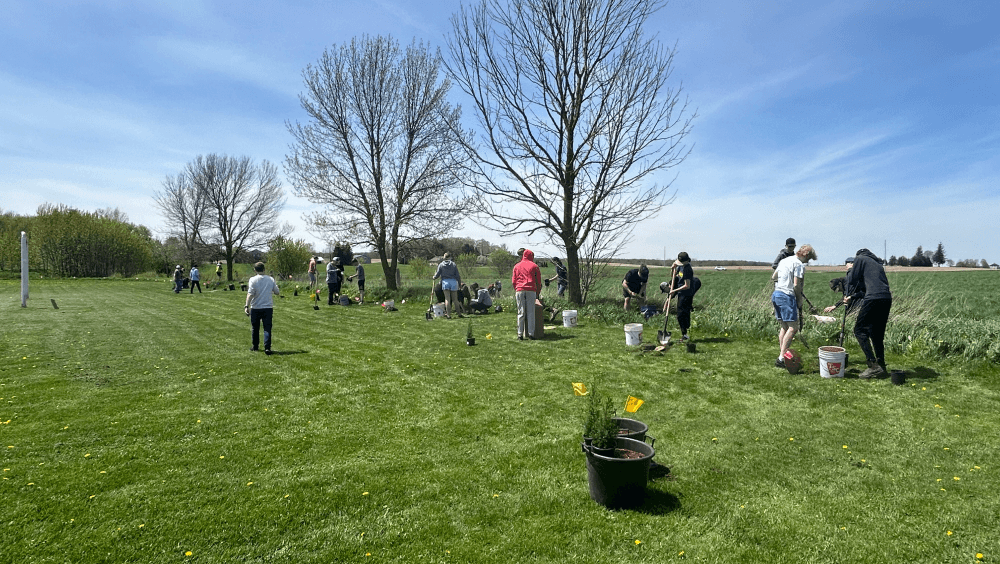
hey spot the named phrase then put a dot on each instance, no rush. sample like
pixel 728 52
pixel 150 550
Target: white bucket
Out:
pixel 389 303
pixel 832 362
pixel 633 334
pixel 569 318
pixel 439 309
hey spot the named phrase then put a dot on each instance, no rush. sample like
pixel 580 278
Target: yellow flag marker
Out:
pixel 579 389
pixel 632 404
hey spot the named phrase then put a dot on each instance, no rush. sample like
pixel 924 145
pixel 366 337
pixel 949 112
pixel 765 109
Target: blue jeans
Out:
pixel 257 317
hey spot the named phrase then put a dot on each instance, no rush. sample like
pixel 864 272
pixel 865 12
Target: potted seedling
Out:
pixel 617 467
pixel 469 339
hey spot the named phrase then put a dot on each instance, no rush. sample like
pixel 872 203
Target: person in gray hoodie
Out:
pixel 866 282
pixel 451 279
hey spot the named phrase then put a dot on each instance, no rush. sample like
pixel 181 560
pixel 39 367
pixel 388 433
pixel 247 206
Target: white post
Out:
pixel 24 269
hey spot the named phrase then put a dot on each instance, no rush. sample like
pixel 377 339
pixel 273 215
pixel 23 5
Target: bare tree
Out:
pixel 576 116
pixel 184 210
pixel 382 149
pixel 243 202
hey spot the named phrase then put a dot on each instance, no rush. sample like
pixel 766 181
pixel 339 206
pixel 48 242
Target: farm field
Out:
pixel 136 426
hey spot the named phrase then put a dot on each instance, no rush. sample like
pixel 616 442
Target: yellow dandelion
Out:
pixel 223 456
pixel 638 542
pixel 286 496
pixel 949 533
pixel 715 439
pixel 364 493
pixel 681 553
pixel 496 496
pixel 368 554
pixel 979 556
pixel 249 483
pixel 188 553
pixel 87 455
pixel 142 525
pixel 791 438
pixel 489 336
pixel 845 446
pixel 31 483
pixel 92 497
pixel 956 478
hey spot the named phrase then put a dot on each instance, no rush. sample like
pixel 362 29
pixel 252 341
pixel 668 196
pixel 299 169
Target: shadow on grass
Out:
pixel 658 503
pixel 283 353
pixel 714 340
pixel 556 337
pixel 922 373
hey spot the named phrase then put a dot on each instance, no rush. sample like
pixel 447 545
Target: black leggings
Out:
pixel 870 328
pixel 684 306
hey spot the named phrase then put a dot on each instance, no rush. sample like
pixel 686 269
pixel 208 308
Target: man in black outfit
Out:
pixel 788 251
pixel 634 284
pixel 866 281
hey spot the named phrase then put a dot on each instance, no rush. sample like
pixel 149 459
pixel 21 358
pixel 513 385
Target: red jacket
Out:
pixel 526 276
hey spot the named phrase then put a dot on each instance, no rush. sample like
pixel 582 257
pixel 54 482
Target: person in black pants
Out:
pixel 684 288
pixel 866 282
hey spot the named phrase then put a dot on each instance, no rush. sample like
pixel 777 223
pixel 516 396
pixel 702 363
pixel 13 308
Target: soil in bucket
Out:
pixel 633 334
pixel 569 318
pixel 832 362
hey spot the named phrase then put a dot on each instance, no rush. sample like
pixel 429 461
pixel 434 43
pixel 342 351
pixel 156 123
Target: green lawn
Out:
pixel 136 426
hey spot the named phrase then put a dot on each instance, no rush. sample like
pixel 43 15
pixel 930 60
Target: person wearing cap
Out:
pixel 784 253
pixel 260 306
pixel 359 273
pixel 563 279
pixel 788 281
pixel 634 284
pixel 527 281
pixel 312 272
pixel 218 272
pixel 178 279
pixel 684 288
pixel 334 278
pixel 451 281
pixel 195 278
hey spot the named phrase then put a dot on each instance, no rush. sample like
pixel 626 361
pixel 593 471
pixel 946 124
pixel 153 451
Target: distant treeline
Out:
pixel 63 241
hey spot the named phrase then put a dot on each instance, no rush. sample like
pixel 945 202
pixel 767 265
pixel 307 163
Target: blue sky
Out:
pixel 843 124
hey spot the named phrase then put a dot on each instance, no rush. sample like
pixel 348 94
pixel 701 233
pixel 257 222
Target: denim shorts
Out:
pixel 448 284
pixel 784 307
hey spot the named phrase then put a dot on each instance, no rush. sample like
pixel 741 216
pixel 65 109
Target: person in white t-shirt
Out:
pixel 787 296
pixel 260 306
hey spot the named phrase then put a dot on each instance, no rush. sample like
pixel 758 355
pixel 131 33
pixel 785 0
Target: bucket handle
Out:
pixel 652 441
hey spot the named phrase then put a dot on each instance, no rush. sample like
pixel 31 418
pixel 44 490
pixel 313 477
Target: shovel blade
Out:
pixel 663 337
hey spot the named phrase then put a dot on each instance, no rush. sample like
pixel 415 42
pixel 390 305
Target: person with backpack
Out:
pixel 685 286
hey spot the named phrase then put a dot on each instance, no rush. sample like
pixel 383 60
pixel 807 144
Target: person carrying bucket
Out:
pixel 788 279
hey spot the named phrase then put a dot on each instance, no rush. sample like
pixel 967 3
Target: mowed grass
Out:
pixel 136 426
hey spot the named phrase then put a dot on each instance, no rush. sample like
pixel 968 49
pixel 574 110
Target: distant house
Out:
pixel 995 266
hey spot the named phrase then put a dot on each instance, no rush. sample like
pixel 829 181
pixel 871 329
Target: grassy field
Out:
pixel 136 426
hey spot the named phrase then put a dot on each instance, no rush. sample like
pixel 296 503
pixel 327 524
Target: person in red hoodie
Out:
pixel 527 281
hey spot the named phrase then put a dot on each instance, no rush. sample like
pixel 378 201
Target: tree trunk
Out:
pixel 229 262
pixel 573 273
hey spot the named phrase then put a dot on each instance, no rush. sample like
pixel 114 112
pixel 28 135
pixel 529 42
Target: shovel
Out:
pixel 664 336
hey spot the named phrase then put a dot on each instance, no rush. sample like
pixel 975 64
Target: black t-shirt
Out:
pixel 685 273
pixel 634 281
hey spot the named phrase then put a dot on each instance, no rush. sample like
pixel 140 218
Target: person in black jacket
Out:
pixel 788 251
pixel 866 282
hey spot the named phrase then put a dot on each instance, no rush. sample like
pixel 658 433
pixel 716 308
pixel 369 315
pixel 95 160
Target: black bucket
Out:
pixel 619 482
pixel 633 429
pixel 345 300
